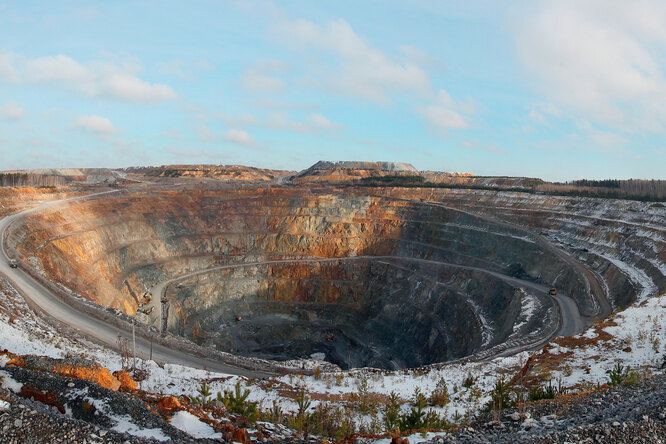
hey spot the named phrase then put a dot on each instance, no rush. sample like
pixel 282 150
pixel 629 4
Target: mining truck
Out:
pixel 13 263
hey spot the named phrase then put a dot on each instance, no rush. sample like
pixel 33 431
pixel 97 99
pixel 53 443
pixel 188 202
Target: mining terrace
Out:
pixel 326 265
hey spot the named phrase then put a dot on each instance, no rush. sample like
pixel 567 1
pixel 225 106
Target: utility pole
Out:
pixel 134 345
pixel 165 313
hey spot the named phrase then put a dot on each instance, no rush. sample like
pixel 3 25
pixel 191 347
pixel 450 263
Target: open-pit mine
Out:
pixel 330 266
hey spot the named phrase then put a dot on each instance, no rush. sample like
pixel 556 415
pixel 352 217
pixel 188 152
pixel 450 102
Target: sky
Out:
pixel 556 89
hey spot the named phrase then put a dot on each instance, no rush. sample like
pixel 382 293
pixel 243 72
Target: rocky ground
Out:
pixel 616 415
pixel 43 407
pixel 73 400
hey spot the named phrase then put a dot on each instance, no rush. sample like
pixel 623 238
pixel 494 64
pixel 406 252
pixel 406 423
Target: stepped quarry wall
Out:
pixel 382 277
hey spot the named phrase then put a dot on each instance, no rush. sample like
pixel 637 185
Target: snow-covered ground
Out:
pixel 634 337
pixel 189 423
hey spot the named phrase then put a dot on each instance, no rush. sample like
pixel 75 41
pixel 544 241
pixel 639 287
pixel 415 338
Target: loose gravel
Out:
pixel 91 412
pixel 624 414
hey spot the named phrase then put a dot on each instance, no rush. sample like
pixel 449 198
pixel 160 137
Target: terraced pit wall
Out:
pixel 370 310
pixel 622 241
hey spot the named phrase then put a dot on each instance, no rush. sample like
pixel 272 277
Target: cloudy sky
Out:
pixel 558 89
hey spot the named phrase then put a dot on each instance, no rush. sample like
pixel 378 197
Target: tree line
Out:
pixel 30 180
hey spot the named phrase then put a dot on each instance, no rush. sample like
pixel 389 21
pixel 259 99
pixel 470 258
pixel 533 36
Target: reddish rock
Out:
pixel 98 375
pixel 169 403
pixel 399 440
pixel 126 381
pixel 93 372
pixel 227 430
pixel 241 435
pixel 46 398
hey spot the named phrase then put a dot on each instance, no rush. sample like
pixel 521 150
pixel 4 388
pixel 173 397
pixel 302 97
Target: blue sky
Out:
pixel 557 89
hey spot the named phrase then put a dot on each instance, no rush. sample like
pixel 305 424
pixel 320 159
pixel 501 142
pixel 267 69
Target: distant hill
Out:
pixel 345 171
pixel 223 172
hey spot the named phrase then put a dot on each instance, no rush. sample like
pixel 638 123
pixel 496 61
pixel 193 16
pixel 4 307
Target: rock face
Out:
pixel 80 369
pixel 220 172
pixel 393 313
pixel 388 277
pixel 126 381
pixel 17 199
pixel 623 242
pixel 324 171
pixel 478 181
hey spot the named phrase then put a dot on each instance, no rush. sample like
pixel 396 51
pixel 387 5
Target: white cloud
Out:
pixel 603 139
pixel 7 70
pixel 445 113
pixel 95 79
pixel 603 59
pixel 416 55
pixel 319 121
pixel 238 136
pixel 313 123
pixel 537 117
pixel 132 89
pixel 205 135
pixel 12 111
pixel 259 77
pixel 96 124
pixel 362 70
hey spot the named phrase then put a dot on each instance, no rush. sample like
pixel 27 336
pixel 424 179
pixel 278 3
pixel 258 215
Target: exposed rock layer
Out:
pixel 388 312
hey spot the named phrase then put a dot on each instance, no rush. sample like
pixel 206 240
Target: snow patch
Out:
pixel 318 356
pixel 125 425
pixel 9 383
pixel 486 323
pixel 528 307
pixel 192 425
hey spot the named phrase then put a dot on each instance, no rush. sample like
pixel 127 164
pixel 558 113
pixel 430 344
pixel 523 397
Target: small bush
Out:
pixel 622 375
pixel 469 381
pixel 363 401
pixel 327 420
pixel 303 403
pixel 414 419
pixel 418 419
pixel 204 395
pixel 391 412
pixel 440 396
pixel 236 402
pixel 274 414
pixel 540 392
pixel 500 396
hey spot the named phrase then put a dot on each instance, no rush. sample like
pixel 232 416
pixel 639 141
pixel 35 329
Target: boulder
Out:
pixel 126 381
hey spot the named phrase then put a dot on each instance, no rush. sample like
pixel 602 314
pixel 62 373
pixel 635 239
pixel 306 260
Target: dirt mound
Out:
pixel 220 172
pixel 324 171
pixel 74 368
